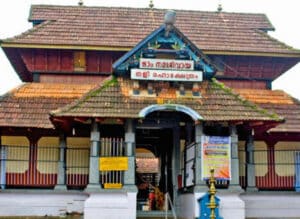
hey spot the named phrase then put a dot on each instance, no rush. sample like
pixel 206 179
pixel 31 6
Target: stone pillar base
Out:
pixel 60 188
pixel 93 188
pixel 110 205
pixel 251 189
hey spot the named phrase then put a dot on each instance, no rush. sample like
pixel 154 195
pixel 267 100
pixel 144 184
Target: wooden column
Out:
pixel 61 175
pixel 235 182
pixel 250 168
pixel 200 185
pixel 94 183
pixel 33 153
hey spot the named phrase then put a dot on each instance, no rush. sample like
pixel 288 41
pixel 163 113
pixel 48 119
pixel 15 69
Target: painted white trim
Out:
pixel 174 107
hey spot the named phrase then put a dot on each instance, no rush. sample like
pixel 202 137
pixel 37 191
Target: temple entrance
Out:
pixel 160 142
pixel 154 171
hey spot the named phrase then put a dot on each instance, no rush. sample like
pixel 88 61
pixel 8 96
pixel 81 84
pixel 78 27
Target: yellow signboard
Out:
pixel 113 163
pixel 112 185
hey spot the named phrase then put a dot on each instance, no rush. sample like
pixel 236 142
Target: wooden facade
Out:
pixel 54 66
pixel 64 61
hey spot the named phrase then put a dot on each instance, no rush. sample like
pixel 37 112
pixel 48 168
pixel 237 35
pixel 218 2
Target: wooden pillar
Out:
pixel 32 178
pixel 129 175
pixel 235 182
pixel 200 185
pixel 61 175
pixel 271 159
pixel 94 175
pixel 251 185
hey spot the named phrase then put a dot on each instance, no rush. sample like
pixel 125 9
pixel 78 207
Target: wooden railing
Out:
pixel 77 167
pixel 111 147
pixel 22 166
pixel 274 169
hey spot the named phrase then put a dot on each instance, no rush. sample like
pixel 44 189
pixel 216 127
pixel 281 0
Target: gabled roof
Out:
pixel 101 28
pixel 114 99
pixel 157 38
pixel 279 102
pixel 29 105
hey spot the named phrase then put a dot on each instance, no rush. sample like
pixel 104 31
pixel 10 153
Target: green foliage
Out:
pixel 106 84
pixel 112 82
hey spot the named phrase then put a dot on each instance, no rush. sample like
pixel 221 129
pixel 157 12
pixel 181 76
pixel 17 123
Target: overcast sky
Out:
pixel 284 15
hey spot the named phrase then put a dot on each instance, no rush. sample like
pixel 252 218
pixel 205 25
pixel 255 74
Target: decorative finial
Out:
pixel 220 8
pixel 80 3
pixel 151 4
pixel 170 18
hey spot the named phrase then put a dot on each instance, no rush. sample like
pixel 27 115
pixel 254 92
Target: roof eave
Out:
pixel 6 44
pixel 294 54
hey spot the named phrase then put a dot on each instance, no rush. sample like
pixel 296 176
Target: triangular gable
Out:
pixel 164 42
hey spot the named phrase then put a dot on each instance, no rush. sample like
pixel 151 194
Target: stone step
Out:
pixel 154 214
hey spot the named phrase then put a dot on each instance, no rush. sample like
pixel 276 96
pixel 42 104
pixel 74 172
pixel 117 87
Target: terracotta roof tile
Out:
pixel 29 105
pixel 147 165
pixel 114 99
pixel 51 90
pixel 279 102
pixel 125 27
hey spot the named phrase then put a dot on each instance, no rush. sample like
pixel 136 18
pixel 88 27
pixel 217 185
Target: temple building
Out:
pixel 124 112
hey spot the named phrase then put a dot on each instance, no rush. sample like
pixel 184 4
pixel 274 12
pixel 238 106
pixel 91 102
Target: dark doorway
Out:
pixel 166 151
pixel 154 168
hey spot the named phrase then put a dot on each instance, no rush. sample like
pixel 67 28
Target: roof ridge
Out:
pixel 146 8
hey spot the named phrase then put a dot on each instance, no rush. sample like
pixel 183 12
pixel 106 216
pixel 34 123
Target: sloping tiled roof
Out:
pixel 279 102
pixel 114 99
pixel 147 165
pixel 30 104
pixel 125 27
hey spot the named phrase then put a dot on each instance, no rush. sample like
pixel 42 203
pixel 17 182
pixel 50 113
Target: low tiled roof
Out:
pixel 29 105
pixel 147 165
pixel 114 99
pixel 125 27
pixel 279 102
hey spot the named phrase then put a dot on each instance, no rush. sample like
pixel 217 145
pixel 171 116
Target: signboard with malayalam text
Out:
pixel 216 154
pixel 166 75
pixel 170 64
pixel 113 163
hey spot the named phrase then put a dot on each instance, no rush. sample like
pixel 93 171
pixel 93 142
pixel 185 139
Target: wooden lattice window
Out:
pixel 79 61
